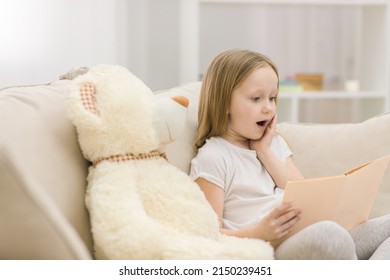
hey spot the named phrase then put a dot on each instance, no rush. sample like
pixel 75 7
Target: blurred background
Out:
pixel 340 47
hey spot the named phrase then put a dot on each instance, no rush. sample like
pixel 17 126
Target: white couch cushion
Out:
pixel 42 177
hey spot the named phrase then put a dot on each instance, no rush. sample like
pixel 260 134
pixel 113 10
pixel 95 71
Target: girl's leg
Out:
pixel 383 251
pixel 372 238
pixel 324 240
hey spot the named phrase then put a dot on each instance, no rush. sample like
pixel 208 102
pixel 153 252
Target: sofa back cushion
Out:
pixel 42 177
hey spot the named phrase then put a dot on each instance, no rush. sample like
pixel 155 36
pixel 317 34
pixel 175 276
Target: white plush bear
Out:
pixel 141 206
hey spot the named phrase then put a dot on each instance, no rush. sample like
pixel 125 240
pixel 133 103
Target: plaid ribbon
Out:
pixel 130 156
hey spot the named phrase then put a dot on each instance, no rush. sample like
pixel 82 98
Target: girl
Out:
pixel 242 166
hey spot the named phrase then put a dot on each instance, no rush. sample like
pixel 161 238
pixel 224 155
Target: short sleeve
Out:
pixel 210 165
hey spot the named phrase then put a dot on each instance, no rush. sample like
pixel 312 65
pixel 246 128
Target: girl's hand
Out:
pixel 264 142
pixel 278 222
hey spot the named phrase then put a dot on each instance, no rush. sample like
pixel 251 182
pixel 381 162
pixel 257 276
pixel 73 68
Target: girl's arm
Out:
pixel 274 226
pixel 280 171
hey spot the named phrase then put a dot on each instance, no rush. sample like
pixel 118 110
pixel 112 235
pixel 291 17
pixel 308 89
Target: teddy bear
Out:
pixel 140 205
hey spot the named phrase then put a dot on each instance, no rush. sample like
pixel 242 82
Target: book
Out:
pixel 346 199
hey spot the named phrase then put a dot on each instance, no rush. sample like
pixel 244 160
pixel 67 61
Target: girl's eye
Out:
pixel 272 98
pixel 256 98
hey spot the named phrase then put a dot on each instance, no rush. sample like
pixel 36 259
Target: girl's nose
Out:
pixel 268 107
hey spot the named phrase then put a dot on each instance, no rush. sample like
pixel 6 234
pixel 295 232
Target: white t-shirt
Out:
pixel 249 189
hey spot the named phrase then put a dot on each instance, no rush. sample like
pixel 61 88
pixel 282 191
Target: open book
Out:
pixel 346 199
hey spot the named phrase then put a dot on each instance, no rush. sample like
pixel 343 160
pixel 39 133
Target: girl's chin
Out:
pixel 257 136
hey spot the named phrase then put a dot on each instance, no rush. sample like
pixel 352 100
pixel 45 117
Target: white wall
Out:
pixel 308 39
pixel 42 39
pixel 149 41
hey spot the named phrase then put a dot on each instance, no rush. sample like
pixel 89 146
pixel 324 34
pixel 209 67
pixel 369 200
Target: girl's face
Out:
pixel 252 107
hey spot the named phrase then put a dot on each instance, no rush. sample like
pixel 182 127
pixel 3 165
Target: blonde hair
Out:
pixel 223 75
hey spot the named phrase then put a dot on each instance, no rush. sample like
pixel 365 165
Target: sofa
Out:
pixel 43 173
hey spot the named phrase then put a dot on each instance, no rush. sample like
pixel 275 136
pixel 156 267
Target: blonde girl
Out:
pixel 242 166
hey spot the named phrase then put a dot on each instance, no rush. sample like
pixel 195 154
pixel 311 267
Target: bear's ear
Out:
pixel 88 97
pixel 182 100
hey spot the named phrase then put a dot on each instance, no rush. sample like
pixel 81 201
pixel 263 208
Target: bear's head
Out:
pixel 116 113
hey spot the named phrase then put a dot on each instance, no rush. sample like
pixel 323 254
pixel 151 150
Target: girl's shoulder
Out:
pixel 220 145
pixel 212 158
pixel 217 149
pixel 213 146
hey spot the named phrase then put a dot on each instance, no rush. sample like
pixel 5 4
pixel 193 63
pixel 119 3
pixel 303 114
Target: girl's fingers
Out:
pixel 289 216
pixel 273 122
pixel 286 227
pixel 285 217
pixel 282 208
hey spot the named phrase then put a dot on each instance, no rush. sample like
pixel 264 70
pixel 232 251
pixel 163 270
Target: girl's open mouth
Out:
pixel 262 123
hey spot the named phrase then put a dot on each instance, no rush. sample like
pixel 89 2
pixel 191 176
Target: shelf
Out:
pixel 298 2
pixel 292 104
pixel 364 57
pixel 332 95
